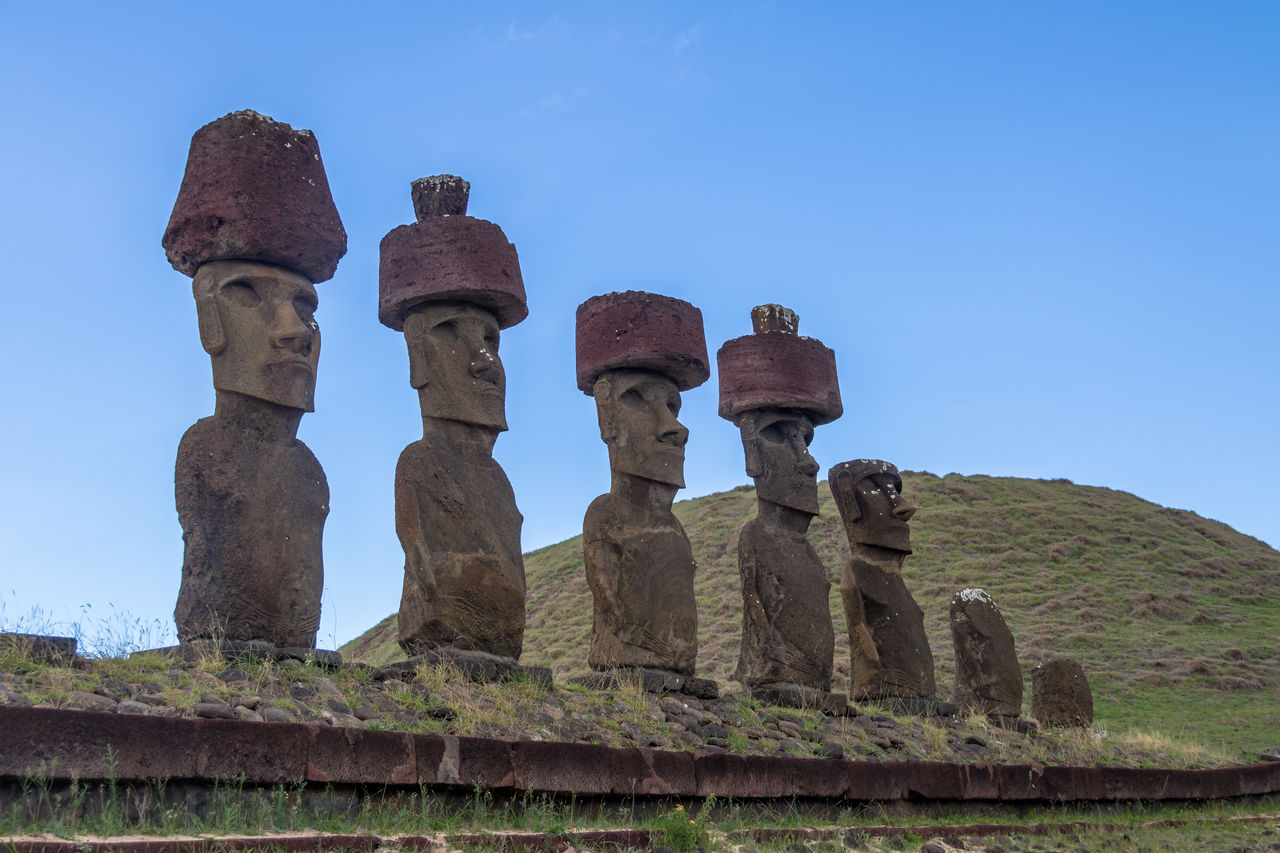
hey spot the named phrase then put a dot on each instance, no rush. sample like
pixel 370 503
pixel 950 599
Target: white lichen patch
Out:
pixel 975 594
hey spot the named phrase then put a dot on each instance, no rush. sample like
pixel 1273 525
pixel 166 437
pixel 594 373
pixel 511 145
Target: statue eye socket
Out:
pixel 773 433
pixel 448 330
pixel 306 309
pixel 241 293
pixel 673 404
pixel 632 397
pixel 808 437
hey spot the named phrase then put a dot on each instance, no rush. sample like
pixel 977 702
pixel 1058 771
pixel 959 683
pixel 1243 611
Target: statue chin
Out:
pixel 296 392
pixel 660 467
pixel 896 538
pixel 801 496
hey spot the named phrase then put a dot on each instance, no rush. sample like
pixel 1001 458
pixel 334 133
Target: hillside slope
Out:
pixel 1176 618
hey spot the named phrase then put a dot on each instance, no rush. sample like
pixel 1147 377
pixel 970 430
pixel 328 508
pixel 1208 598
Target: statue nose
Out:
pixel 291 331
pixel 904 511
pixel 671 431
pixel 482 361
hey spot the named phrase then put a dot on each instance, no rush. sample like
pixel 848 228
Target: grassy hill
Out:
pixel 1175 618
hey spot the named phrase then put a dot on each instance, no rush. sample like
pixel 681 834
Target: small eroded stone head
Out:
pixel 638 412
pixel 868 493
pixel 454 363
pixel 776 442
pixel 257 322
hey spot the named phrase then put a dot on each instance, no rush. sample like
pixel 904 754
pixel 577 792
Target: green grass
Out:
pixel 232 809
pixel 1174 617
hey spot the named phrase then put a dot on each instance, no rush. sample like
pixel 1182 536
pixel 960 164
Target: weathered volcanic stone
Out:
pixel 777 368
pixel 252 504
pixel 440 195
pixel 450 282
pixel 988 677
pixel 447 256
pixel 786 621
pixel 897 663
pixel 39 647
pixel 255 189
pixel 640 569
pixel 1060 694
pixel 640 331
pixel 457 520
pixel 638 561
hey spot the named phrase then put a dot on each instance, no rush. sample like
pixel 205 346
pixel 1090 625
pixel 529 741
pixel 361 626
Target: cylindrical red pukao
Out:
pixel 448 257
pixel 775 368
pixel 641 331
pixel 255 190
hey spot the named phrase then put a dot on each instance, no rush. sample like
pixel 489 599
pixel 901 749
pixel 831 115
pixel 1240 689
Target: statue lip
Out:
pixel 298 361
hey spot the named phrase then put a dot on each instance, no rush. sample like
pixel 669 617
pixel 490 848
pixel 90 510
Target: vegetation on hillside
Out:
pixel 1176 618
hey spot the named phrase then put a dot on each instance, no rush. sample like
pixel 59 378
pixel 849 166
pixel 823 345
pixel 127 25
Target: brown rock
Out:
pixel 255 189
pixel 440 195
pixel 988 677
pixel 90 701
pixel 640 331
pixel 638 561
pixel 456 514
pixel 889 648
pixel 1060 694
pixel 447 256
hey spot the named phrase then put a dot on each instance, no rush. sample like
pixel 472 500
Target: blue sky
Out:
pixel 1041 238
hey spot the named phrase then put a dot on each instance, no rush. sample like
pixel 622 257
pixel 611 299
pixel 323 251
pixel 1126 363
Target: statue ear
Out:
pixel 606 409
pixel 415 340
pixel 212 336
pixel 846 495
pixel 750 428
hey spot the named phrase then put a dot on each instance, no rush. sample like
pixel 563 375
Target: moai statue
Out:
pixel 890 656
pixel 635 353
pixel 1060 694
pixel 777 386
pixel 451 282
pixel 255 227
pixel 988 676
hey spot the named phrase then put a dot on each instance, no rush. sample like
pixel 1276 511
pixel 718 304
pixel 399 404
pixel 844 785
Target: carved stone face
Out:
pixel 257 322
pixel 874 510
pixel 453 361
pixel 776 442
pixel 637 410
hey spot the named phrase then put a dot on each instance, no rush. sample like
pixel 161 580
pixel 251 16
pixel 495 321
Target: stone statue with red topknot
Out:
pixel 636 352
pixel 451 283
pixel 776 386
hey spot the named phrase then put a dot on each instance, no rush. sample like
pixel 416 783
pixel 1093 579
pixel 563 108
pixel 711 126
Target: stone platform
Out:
pixel 196 650
pixel 650 681
pixel 477 666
